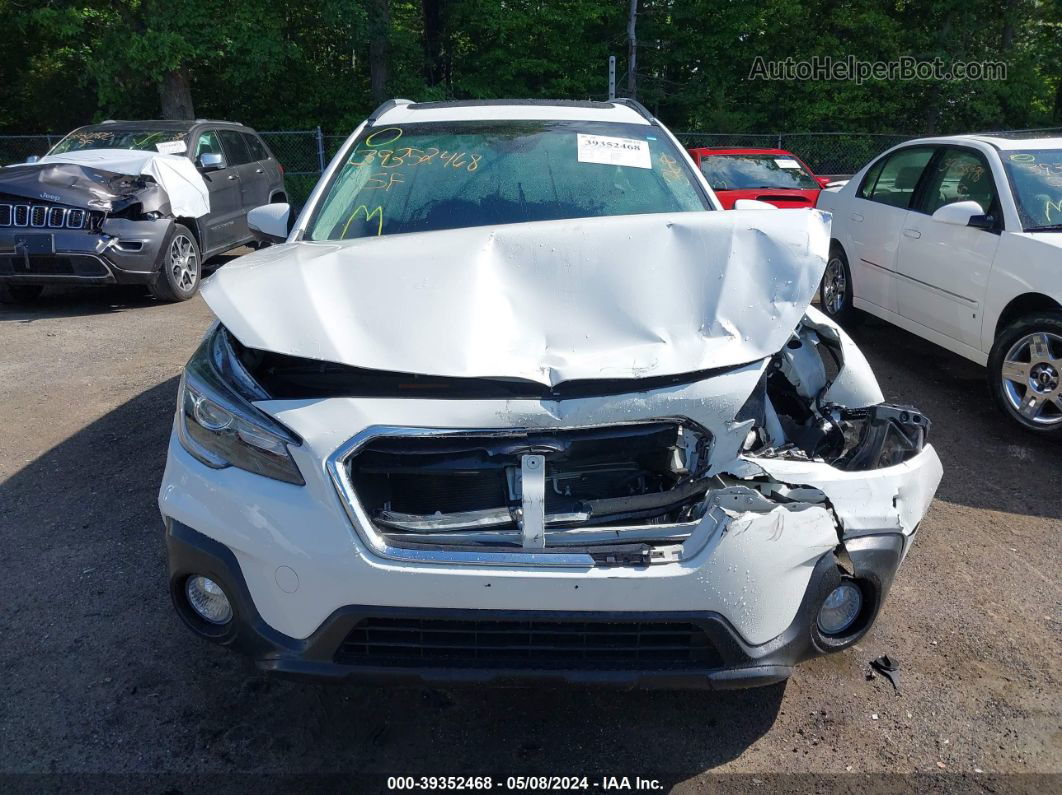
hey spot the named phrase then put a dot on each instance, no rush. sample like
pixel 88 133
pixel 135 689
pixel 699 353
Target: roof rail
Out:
pixel 213 121
pixel 386 106
pixel 636 106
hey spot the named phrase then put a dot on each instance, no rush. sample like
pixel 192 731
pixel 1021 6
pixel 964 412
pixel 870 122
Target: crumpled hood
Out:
pixel 67 183
pixel 104 178
pixel 551 301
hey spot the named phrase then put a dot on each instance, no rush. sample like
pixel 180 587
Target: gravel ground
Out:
pixel 99 675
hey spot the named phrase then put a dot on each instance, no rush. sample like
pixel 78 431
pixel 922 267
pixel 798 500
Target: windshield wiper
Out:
pixel 1048 228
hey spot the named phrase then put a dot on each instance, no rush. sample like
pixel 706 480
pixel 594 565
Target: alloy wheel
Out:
pixel 1032 378
pixel 834 286
pixel 184 262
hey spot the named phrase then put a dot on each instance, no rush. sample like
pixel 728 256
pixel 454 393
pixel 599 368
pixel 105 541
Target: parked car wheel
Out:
pixel 180 269
pixel 20 293
pixel 835 291
pixel 1025 373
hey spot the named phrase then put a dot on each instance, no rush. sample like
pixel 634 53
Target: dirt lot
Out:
pixel 99 675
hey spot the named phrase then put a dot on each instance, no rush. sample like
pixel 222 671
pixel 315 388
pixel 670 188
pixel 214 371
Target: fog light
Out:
pixel 841 608
pixel 208 599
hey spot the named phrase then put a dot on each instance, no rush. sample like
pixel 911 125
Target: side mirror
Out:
pixel 211 161
pixel 270 223
pixel 823 181
pixel 753 204
pixel 32 159
pixel 959 213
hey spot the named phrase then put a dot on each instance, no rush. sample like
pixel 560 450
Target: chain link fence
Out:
pixel 305 153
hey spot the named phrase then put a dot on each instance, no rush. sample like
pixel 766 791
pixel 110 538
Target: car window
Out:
pixel 111 137
pixel 236 151
pixel 870 179
pixel 897 177
pixel 749 172
pixel 207 144
pixel 449 175
pixel 959 175
pixel 1036 180
pixel 257 150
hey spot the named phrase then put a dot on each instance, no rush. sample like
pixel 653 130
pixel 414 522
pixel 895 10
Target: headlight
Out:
pixel 216 422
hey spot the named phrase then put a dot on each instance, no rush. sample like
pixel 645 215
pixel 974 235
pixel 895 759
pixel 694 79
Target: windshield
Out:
pixel 1036 178
pixel 118 138
pixel 749 172
pixel 425 177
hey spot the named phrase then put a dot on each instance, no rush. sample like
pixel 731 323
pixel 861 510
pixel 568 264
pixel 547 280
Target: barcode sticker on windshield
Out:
pixel 614 151
pixel 172 147
pixel 786 162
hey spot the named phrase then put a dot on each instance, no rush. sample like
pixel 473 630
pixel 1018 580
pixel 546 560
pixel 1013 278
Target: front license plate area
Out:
pixel 34 244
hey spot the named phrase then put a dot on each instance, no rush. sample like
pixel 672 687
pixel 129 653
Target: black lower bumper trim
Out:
pixel 733 664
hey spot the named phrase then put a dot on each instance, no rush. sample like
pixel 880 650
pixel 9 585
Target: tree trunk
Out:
pixel 175 95
pixel 379 40
pixel 1010 16
pixel 435 71
pixel 632 51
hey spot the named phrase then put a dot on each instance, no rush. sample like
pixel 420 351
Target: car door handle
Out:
pixel 258 171
pixel 233 176
pixel 856 217
pixel 914 234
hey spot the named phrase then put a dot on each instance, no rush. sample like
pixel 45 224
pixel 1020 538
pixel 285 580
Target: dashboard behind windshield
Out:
pixel 449 175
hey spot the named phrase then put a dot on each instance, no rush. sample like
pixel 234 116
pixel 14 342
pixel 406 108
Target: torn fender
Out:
pixel 76 177
pixel 892 499
pixel 550 301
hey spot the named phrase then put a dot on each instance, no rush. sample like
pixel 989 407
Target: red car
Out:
pixel 774 176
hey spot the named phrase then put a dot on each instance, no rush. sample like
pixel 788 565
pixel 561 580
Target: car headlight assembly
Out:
pixel 217 423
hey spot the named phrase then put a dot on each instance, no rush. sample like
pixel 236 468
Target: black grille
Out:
pixel 558 645
pixel 49 265
pixel 466 472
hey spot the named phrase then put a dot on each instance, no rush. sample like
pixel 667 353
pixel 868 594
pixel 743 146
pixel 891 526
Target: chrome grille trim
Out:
pixel 365 530
pixel 43 216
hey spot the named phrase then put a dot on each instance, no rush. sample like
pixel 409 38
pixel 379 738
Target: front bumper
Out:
pixel 724 659
pixel 301 577
pixel 125 252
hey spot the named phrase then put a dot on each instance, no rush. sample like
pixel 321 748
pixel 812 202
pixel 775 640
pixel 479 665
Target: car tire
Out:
pixel 180 267
pixel 1025 373
pixel 20 293
pixel 835 289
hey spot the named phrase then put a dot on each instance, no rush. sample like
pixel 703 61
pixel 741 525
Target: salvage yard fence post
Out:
pixel 320 150
pixel 304 154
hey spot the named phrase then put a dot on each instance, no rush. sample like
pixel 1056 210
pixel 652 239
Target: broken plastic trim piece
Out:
pixel 533 501
pixel 888 435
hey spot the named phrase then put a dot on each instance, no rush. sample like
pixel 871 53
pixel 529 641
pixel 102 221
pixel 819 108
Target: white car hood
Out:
pixel 188 193
pixel 551 301
pixel 1053 239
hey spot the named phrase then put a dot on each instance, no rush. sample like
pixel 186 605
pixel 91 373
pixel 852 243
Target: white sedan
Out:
pixel 959 240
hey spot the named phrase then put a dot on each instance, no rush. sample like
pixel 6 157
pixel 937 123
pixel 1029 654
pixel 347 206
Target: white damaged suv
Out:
pixel 514 403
